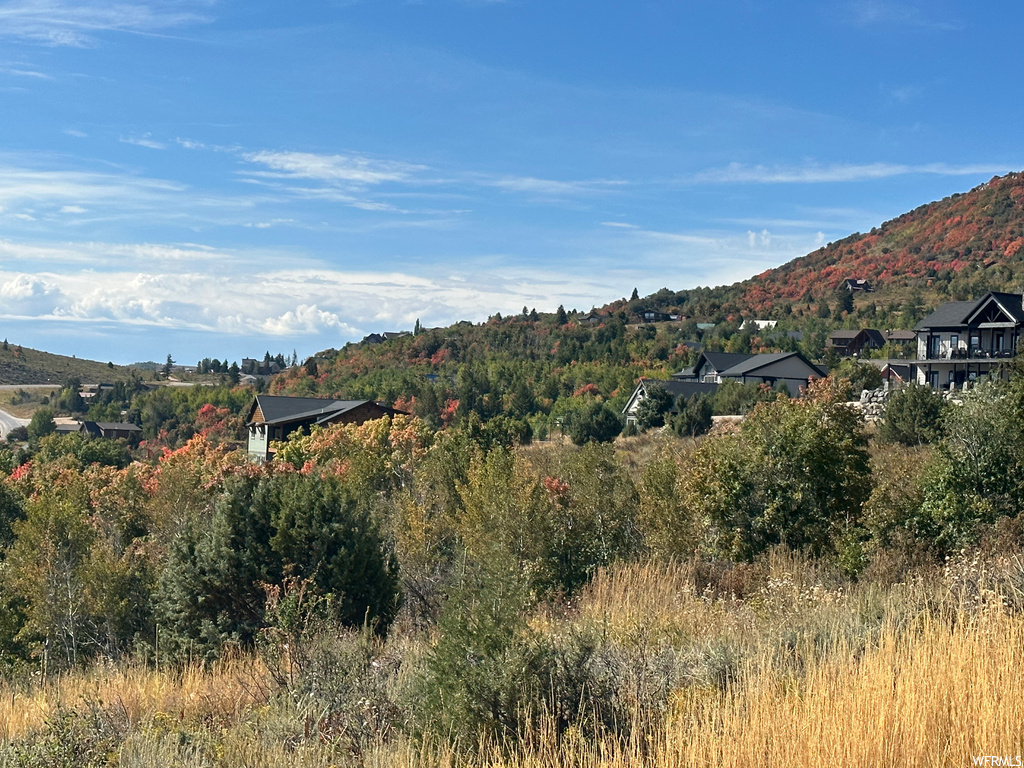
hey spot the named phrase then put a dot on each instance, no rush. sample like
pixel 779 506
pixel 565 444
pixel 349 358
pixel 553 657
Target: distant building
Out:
pixel 272 417
pixel 853 342
pixel 856 284
pixel 713 368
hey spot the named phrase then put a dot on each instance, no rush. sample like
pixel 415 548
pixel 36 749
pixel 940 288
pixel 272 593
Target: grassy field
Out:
pixel 775 663
pixel 20 365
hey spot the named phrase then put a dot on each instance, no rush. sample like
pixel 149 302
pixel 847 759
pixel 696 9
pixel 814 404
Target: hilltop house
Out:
pixel 272 417
pixel 963 340
pixel 855 284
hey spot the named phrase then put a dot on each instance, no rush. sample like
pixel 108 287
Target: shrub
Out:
pixel 913 416
pixel 594 423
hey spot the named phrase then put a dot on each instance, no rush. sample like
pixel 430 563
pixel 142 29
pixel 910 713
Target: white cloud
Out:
pixel 551 187
pixel 17 72
pixel 336 169
pixel 888 13
pixel 72 209
pixel 76 133
pixel 737 173
pixel 144 141
pixel 28 295
pixel 619 224
pixel 74 23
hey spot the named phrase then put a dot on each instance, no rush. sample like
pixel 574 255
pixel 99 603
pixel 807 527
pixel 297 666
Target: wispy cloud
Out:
pixel 335 169
pixel 890 13
pixel 72 23
pixel 550 187
pixel 20 72
pixel 144 141
pixel 737 173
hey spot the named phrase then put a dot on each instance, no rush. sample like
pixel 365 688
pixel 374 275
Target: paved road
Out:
pixel 9 422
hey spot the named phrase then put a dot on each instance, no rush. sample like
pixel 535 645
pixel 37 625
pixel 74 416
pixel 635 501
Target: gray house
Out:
pixel 791 368
pixel 963 340
pixel 712 368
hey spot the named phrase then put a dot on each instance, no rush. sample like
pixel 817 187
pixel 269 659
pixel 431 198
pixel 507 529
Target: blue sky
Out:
pixel 221 178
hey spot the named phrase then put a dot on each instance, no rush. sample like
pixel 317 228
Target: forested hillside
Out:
pixel 954 249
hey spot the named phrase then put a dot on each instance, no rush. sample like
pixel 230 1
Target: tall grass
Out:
pixel 779 663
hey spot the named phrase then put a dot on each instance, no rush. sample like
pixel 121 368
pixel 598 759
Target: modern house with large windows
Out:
pixel 963 340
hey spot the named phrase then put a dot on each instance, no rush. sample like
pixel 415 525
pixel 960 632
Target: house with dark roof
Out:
pixel 709 366
pixel 790 369
pixel 112 430
pixel 272 418
pixel 675 387
pixel 853 342
pixel 855 284
pixel 963 340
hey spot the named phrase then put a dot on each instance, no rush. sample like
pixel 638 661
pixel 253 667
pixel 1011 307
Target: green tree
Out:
pixel 595 422
pixel 977 474
pixel 913 415
pixel 796 474
pixel 322 534
pixel 860 374
pixel 654 408
pixel 694 418
pixel 42 423
pixel 209 593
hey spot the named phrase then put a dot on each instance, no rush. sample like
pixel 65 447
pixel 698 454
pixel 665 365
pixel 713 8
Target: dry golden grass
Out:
pixel 925 673
pixel 223 694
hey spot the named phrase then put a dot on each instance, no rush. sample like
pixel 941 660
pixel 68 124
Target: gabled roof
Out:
pixel 952 313
pixel 844 333
pixel 756 362
pixel 899 335
pixel 118 426
pixel 282 410
pixel 1010 303
pixel 721 360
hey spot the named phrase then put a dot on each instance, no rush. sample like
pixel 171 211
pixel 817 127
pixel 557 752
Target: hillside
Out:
pixel 21 365
pixel 954 249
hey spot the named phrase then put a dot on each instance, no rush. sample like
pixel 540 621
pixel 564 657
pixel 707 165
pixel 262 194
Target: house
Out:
pixel 112 430
pixel 963 340
pixel 771 368
pixel 592 318
pixel 758 325
pixel 855 284
pixel 709 366
pixel 788 368
pixel 652 316
pixel 853 342
pixel 273 417
pixel 899 338
pixel 675 387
